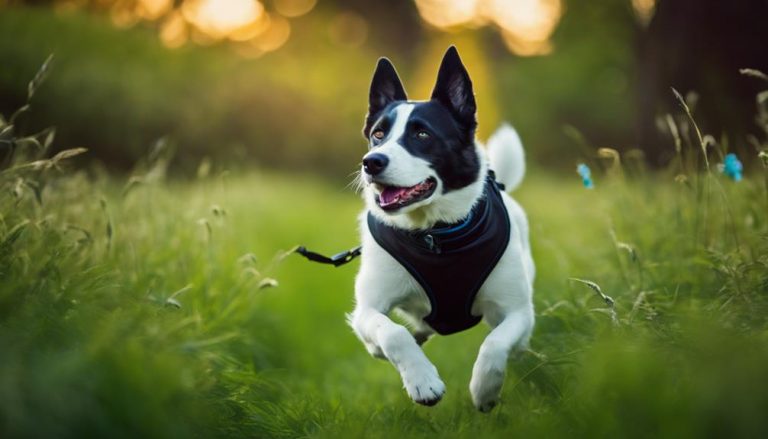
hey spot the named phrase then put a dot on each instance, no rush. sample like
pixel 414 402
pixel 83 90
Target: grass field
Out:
pixel 137 313
pixel 153 307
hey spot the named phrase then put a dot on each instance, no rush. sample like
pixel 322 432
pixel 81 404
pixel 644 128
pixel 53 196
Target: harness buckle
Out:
pixel 430 241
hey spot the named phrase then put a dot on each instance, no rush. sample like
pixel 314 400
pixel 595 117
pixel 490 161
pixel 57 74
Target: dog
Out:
pixel 442 244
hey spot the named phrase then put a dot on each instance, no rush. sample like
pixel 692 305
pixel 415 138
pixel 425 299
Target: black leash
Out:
pixel 336 260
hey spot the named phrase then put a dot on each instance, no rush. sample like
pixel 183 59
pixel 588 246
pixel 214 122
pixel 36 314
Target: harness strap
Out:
pixel 336 260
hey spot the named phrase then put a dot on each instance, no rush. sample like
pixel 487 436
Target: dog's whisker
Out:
pixel 357 183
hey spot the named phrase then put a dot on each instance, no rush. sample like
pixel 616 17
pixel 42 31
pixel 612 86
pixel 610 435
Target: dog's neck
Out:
pixel 448 208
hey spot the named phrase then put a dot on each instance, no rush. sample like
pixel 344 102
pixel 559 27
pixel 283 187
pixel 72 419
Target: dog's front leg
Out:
pixel 491 364
pixel 393 341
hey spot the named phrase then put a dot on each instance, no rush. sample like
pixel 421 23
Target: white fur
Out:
pixel 506 153
pixel 504 300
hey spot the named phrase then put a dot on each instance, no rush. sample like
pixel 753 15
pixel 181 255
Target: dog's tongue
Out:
pixel 392 194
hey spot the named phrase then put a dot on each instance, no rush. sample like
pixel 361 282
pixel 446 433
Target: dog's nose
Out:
pixel 374 163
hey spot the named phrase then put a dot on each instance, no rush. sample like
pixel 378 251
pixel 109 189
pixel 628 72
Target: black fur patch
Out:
pixel 386 88
pixel 453 89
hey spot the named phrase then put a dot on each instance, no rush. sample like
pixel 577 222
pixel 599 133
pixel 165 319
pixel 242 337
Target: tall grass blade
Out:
pixel 702 144
pixel 40 76
pixel 596 288
pixel 754 73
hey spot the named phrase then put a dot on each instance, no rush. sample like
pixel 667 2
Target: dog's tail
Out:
pixel 506 155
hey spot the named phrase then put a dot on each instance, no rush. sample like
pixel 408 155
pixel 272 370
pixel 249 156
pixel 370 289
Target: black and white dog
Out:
pixel 441 243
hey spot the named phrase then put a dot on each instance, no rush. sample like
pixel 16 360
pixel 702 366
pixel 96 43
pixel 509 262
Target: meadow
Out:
pixel 151 306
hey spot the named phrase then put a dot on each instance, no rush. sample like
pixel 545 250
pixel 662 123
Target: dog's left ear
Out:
pixel 454 89
pixel 385 89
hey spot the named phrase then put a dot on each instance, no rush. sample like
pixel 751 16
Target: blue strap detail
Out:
pixel 456 228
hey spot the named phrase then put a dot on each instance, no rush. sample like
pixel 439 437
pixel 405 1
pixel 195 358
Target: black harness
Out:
pixel 451 262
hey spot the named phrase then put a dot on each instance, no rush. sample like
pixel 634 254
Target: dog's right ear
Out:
pixel 385 89
pixel 454 89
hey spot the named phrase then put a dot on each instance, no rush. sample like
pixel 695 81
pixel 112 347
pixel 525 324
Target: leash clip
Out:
pixel 336 260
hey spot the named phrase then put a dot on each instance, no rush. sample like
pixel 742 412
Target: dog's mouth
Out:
pixel 395 197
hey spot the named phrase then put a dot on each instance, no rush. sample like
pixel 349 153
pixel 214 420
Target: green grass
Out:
pixel 144 307
pixel 91 347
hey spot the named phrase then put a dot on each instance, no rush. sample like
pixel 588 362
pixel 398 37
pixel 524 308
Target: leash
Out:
pixel 336 260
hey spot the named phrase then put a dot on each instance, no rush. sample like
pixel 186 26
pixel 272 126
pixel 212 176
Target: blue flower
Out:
pixel 732 167
pixel 586 175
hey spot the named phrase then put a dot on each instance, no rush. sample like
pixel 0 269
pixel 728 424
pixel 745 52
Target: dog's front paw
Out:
pixel 485 386
pixel 423 385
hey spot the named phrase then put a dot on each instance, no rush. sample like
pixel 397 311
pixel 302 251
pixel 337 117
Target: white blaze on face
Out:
pixel 402 114
pixel 403 169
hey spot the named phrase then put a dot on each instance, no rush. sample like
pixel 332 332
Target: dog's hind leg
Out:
pixel 513 331
pixel 419 375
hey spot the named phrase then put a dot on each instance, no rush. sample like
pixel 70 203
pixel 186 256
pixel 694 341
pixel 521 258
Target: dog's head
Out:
pixel 420 152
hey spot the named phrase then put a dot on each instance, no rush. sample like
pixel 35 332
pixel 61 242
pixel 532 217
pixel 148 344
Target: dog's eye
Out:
pixel 423 135
pixel 378 134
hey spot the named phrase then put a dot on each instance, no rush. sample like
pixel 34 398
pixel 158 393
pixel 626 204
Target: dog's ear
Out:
pixel 454 89
pixel 385 89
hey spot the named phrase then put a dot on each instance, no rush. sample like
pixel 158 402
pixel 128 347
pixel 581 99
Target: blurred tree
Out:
pixel 116 90
pixel 394 26
pixel 700 45
pixel 585 83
